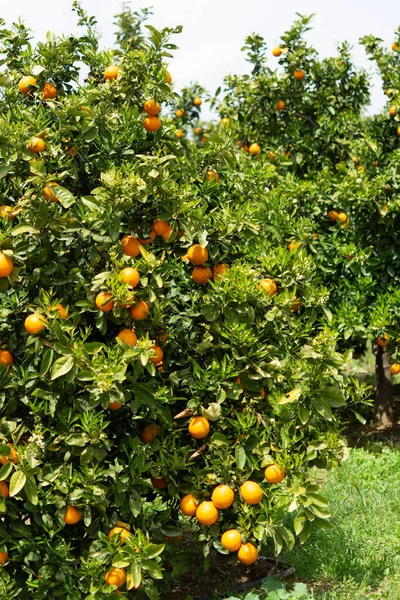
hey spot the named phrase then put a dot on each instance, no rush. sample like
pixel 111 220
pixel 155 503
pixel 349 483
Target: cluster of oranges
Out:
pixel 201 274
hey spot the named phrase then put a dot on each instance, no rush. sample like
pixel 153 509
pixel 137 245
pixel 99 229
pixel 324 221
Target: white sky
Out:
pixel 214 30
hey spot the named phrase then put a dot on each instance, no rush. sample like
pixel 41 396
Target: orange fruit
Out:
pixel 6 212
pixel 180 113
pixel 159 484
pixel 393 111
pixel 168 78
pixel 35 323
pixel 48 192
pixel 383 341
pixel 197 130
pixel 398 131
pixel 197 101
pixel 223 496
pixel 271 155
pixel 159 354
pixel 152 124
pixel 128 336
pixel 72 515
pixel 203 139
pixel 149 239
pixel 130 276
pixel 333 215
pixel 197 255
pixel 299 74
pixel 395 368
pixel 12 457
pixel 231 540
pixel 149 433
pixel 140 311
pixel 225 122
pixel 245 147
pixel 269 286
pixel 179 134
pixel 251 492
pixel 120 533
pixel 219 270
pixel 201 274
pixel 25 84
pixel 395 47
pixel 212 175
pixel 6 358
pixel 342 217
pixel 49 91
pixel 206 513
pixel 115 576
pixel 130 245
pixel 151 107
pixel 104 301
pixel 188 505
pixel 160 227
pixel 36 145
pixel 162 336
pixel 62 311
pixel 277 51
pixel 199 428
pixel 111 72
pixel 167 234
pixel 3 558
pixel 280 105
pixel 247 553
pixel 114 405
pixel 274 474
pixel 4 489
pixel 254 149
pixel 294 245
pixel 296 305
pixel 6 265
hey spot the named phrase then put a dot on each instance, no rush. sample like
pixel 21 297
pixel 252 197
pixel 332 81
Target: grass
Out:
pixel 359 559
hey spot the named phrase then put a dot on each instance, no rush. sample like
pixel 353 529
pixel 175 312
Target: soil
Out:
pixel 223 577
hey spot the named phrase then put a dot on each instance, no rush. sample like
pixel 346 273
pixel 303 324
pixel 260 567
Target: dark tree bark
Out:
pixel 384 411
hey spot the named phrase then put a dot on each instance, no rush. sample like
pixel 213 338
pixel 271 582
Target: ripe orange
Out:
pixel 114 405
pixel 395 47
pixel 6 212
pixel 280 105
pixel 383 341
pixel 49 91
pixel 271 155
pixel 197 101
pixel 6 265
pixel 231 540
pixel 269 286
pixel 395 369
pixel 299 74
pixel 188 505
pixel 342 217
pixel 254 149
pixel 201 274
pixel 212 175
pixel 4 489
pixel 274 474
pixel 152 124
pixel 128 336
pixel 130 276
pixel 130 245
pixel 277 51
pixel 140 311
pixel 111 72
pixel 333 215
pixel 180 113
pixel 35 323
pixel 247 553
pixel 203 139
pixel 245 148
pixel 115 576
pixel 48 191
pixel 159 354
pixel 251 492
pixel 36 145
pixel 62 311
pixel 199 428
pixel 162 336
pixel 168 78
pixel 72 515
pixel 167 234
pixel 398 131
pixel 159 484
pixel 149 433
pixel 119 533
pixel 294 245
pixel 148 240
pixel 219 270
pixel 225 122
pixel 151 107
pixel 3 558
pixel 296 304
pixel 197 130
pixel 104 301
pixel 6 358
pixel 393 111
pixel 179 134
pixel 72 151
pixel 197 255
pixel 13 456
pixel 207 514
pixel 25 84
pixel 223 496
pixel 160 227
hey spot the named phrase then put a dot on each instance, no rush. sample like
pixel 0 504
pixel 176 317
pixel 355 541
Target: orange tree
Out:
pixel 166 368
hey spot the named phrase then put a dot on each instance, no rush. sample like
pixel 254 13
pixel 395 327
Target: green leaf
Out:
pixel 17 482
pixel 23 228
pixel 114 227
pixel 298 524
pixel 133 576
pixel 305 533
pixel 240 456
pixel 152 568
pixel 6 470
pixel 219 439
pixel 153 550
pixel 64 196
pixel 122 560
pixel 4 169
pixel 62 366
pixel 31 490
pixel 46 361
pixel 90 134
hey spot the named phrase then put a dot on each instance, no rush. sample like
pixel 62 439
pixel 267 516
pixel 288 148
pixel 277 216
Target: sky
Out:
pixel 214 30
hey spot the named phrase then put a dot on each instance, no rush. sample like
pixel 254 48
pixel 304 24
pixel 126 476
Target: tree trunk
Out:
pixel 384 412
